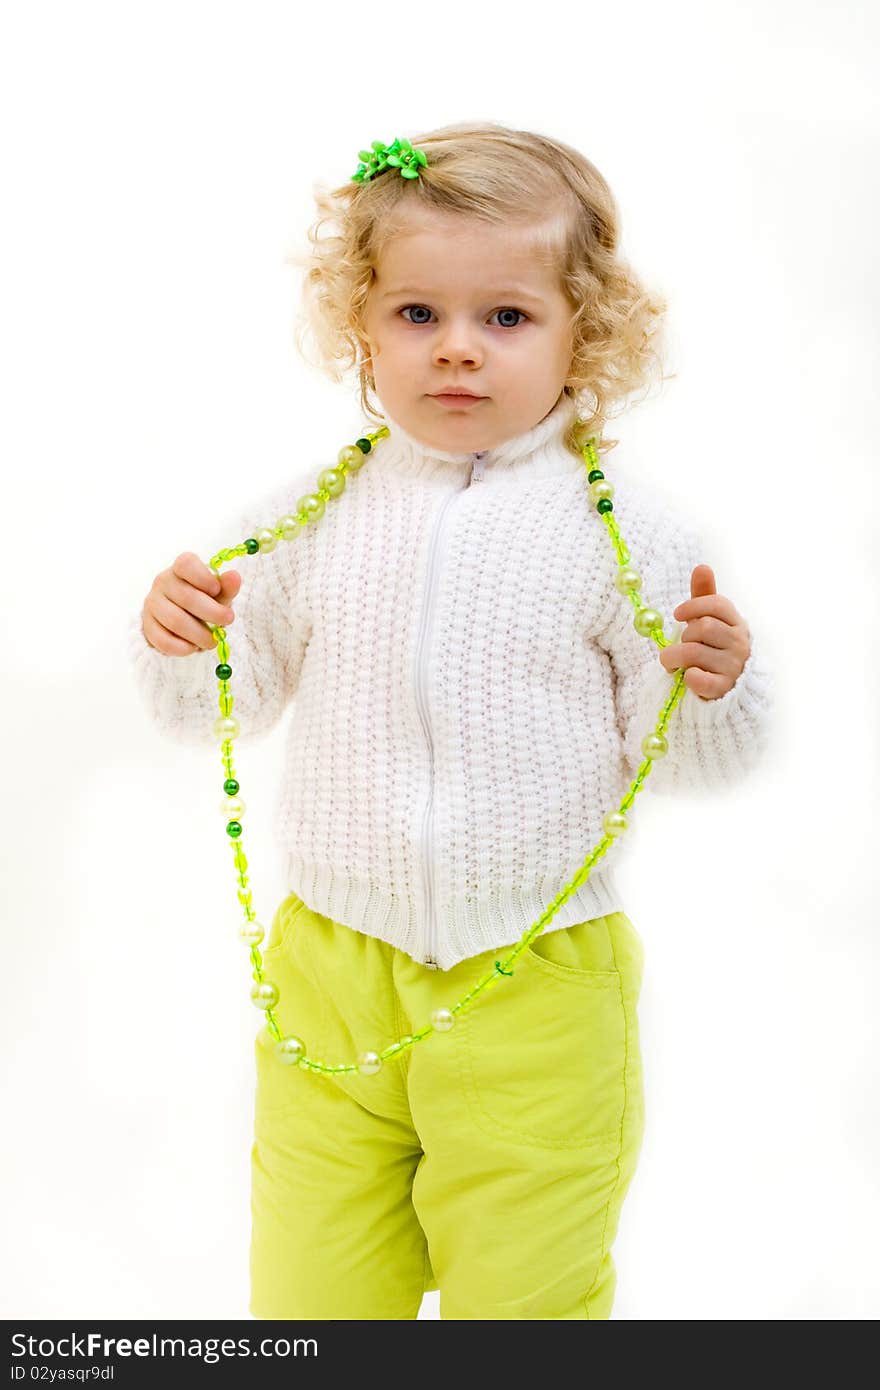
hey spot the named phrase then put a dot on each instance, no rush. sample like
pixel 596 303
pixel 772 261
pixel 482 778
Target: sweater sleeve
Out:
pixel 712 744
pixel 267 644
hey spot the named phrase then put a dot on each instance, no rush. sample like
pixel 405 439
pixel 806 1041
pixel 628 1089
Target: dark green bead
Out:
pixel 251 546
pixel 594 475
pixel 364 445
pixel 606 505
pixel 233 829
pixel 223 671
pixel 230 786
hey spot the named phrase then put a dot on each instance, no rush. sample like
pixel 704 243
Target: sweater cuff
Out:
pixel 153 669
pixel 747 700
pixel 711 743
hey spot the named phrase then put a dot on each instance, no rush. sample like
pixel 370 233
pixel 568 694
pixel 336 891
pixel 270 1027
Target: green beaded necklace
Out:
pixel 291 1049
pixel 648 622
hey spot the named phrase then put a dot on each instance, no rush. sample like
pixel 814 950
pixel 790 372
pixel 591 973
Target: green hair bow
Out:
pixel 400 154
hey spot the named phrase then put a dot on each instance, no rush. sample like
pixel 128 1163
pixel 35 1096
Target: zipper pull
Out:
pixel 477 467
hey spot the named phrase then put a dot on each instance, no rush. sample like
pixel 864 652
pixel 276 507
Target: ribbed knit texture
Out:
pixel 468 691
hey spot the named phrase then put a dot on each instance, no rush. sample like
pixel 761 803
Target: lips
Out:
pixel 472 395
pixel 458 403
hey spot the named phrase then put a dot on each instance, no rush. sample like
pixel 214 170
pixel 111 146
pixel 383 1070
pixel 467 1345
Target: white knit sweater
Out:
pixel 468 691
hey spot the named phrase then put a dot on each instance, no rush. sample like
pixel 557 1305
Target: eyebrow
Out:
pixel 500 294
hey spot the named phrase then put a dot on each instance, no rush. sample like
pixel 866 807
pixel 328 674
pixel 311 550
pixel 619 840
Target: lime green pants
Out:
pixel 489 1161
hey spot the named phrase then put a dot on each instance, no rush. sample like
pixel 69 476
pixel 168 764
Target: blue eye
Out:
pixel 421 322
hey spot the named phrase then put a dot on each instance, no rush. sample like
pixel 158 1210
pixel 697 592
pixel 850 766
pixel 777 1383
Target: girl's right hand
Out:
pixel 182 600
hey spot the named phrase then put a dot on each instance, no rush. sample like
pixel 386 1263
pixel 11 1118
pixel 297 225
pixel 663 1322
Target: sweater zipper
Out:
pixel 475 476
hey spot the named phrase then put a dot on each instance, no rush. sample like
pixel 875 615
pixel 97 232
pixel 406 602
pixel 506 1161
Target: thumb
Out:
pixel 230 583
pixel 702 581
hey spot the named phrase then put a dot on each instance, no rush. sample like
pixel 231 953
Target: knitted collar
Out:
pixel 539 452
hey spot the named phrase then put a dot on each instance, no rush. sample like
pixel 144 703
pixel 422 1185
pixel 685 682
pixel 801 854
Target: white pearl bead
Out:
pixel 312 505
pixel 331 480
pixel 442 1019
pixel 264 994
pixel 267 538
pixel 646 620
pixel 352 456
pixel 601 488
pixel 232 807
pixel 369 1063
pixel 627 580
pixel 614 822
pixel 252 932
pixel 290 1049
pixel 225 727
pixel 288 525
pixel 654 746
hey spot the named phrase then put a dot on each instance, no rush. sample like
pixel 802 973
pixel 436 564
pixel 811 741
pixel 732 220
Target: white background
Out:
pixel 158 161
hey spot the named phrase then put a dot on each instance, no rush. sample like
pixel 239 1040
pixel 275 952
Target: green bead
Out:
pixel 251 546
pixel 594 475
pixel 233 829
pixel 230 786
pixel 223 671
pixel 364 445
pixel 606 505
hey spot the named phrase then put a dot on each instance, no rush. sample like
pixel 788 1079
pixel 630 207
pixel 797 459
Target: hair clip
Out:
pixel 400 154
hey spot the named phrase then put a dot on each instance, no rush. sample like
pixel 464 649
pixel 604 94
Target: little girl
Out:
pixel 471 696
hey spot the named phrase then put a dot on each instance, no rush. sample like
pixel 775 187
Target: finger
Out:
pixel 195 601
pixel 194 571
pixel 705 684
pixel 230 583
pixel 164 641
pixel 702 581
pixel 178 621
pixel 697 654
pixel 712 632
pixel 711 605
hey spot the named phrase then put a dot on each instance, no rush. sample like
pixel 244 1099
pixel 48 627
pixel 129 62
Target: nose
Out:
pixel 457 343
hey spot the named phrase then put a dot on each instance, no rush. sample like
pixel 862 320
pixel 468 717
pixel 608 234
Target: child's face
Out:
pixel 462 303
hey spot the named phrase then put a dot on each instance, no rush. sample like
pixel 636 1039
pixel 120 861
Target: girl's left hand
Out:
pixel 715 645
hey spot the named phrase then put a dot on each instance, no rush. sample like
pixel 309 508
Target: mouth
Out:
pixel 457 398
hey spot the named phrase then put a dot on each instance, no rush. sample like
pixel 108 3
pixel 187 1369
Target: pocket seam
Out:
pixel 264 1040
pixel 600 979
pixel 286 929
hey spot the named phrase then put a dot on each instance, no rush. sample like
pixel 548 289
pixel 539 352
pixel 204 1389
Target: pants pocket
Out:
pixel 300 1010
pixel 282 924
pixel 584 948
pixel 544 1053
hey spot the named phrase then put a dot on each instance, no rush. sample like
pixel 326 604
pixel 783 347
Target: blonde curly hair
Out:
pixel 503 176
